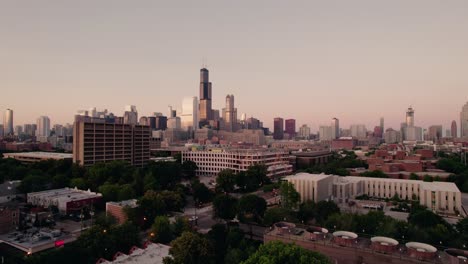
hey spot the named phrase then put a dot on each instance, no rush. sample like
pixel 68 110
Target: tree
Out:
pixel 424 218
pixel 161 230
pixel 307 211
pixel 110 192
pixel 190 248
pixel 289 196
pixel 277 214
pixel 224 207
pixel 277 252
pixel 428 178
pixel 226 180
pixel 374 174
pixel 189 169
pixel 201 193
pixel 180 225
pixel 150 205
pixel 252 208
pixel 325 209
pixel 259 173
pixel 413 176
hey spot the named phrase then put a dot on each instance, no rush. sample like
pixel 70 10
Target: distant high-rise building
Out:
pixel 326 133
pixel 304 132
pixel 43 128
pixel 18 130
pixel 206 111
pixel 189 116
pixel 130 115
pixel 435 133
pixel 382 124
pixel 161 122
pixel 1 131
pixel 230 114
pixel 358 131
pixel 335 128
pixel 95 141
pixel 29 130
pixel 454 129
pixel 278 128
pixel 410 117
pixel 252 123
pixel 8 123
pixel 290 125
pixel 392 136
pixel 378 132
pixel 143 121
pixel 464 121
pixel 448 133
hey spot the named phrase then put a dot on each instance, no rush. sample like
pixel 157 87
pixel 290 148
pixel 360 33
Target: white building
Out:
pixel 151 253
pixel 66 199
pixel 464 121
pixel 325 133
pixel 212 160
pixel 335 128
pixel 8 122
pixel 189 116
pixel 43 128
pixel 392 136
pixel 358 131
pixel 441 197
pixel 304 132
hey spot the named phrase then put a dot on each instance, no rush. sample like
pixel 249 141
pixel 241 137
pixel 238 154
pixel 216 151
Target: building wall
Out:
pixel 96 142
pixel 211 162
pixel 9 219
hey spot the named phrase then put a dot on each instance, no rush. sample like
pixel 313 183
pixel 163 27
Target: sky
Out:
pixel 309 60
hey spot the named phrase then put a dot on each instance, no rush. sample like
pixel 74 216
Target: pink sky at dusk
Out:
pixel 309 60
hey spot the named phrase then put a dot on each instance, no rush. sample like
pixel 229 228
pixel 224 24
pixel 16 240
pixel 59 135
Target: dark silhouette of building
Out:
pixel 206 111
pixel 278 128
pixel 290 125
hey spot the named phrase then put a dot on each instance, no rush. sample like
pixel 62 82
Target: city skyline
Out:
pixel 417 59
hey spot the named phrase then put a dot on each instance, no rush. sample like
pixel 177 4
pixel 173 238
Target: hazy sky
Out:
pixel 309 60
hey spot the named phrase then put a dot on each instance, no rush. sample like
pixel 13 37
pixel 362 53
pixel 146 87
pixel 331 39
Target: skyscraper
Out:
pixel 335 128
pixel 358 131
pixel 8 123
pixel 454 129
pixel 278 128
pixel 230 114
pixel 130 115
pixel 382 124
pixel 464 121
pixel 43 128
pixel 189 116
pixel 434 133
pixel 304 132
pixel 206 111
pixel 325 133
pixel 410 117
pixel 290 125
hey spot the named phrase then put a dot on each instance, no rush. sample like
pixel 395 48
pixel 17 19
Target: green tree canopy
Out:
pixel 224 207
pixel 190 248
pixel 280 253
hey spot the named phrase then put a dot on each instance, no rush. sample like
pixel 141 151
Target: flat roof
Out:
pixel 152 254
pixel 65 194
pixel 39 155
pixel 309 176
pixel 440 186
pixel 131 203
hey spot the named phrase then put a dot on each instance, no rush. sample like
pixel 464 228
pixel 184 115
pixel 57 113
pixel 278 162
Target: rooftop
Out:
pixel 131 203
pixel 308 176
pixel 39 155
pixel 64 194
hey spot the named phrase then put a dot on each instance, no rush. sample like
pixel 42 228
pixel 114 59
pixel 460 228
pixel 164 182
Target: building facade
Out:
pixel 206 111
pixel 189 116
pixel 441 197
pixel 96 140
pixel 211 161
pixel 453 129
pixel 278 128
pixel 464 121
pixel 230 114
pixel 8 123
pixel 43 128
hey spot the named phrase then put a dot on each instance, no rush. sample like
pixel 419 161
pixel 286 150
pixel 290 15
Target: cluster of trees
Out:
pixel 338 164
pixel 452 163
pixel 277 252
pixel 220 245
pixel 228 181
pixel 249 208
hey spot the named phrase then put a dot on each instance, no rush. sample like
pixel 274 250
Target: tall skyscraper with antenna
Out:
pixel 205 108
